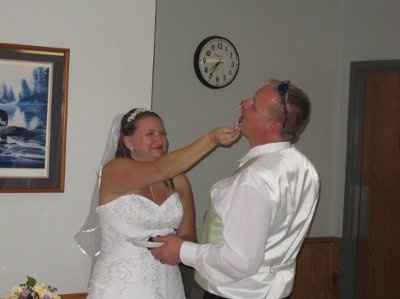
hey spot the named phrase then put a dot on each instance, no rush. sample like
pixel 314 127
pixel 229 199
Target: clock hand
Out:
pixel 213 60
pixel 214 68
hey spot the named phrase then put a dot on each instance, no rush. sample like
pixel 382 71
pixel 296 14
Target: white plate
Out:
pixel 145 243
pixel 150 244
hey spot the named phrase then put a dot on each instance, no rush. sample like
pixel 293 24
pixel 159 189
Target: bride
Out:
pixel 142 194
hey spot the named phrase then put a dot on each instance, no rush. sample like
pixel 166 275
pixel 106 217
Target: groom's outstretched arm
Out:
pixel 168 253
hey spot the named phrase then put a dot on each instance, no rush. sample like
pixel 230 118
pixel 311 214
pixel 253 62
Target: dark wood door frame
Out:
pixel 353 189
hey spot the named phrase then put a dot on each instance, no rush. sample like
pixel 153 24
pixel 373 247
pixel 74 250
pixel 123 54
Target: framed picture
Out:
pixel 33 118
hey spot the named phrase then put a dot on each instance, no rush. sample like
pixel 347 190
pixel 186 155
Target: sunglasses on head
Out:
pixel 283 90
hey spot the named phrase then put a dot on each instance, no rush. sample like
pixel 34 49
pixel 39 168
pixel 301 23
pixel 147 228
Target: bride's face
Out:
pixel 149 141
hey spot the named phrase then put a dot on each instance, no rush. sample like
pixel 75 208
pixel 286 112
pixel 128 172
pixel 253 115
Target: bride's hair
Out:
pixel 128 126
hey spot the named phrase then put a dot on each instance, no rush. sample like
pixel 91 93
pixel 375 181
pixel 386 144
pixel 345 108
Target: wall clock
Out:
pixel 216 62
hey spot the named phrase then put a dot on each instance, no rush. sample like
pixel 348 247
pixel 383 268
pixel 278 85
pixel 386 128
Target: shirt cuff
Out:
pixel 188 253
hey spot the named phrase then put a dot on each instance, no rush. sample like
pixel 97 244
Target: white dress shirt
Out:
pixel 258 220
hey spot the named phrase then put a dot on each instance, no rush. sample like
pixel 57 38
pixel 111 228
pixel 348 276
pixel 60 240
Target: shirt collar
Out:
pixel 264 149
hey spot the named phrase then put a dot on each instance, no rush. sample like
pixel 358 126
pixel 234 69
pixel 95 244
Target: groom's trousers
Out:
pixel 208 295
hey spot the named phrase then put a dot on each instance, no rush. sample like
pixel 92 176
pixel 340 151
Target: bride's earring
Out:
pixel 132 151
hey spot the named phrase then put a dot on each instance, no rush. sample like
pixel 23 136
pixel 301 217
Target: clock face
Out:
pixel 216 62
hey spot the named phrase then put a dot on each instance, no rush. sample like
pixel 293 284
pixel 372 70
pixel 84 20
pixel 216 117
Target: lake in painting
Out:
pixel 24 109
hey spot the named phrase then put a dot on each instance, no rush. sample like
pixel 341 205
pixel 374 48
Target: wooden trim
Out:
pixel 317 270
pixel 74 296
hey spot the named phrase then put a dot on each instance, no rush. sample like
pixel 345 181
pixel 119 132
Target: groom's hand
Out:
pixel 168 253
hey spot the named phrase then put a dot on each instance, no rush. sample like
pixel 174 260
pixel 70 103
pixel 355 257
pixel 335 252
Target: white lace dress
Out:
pixel 125 268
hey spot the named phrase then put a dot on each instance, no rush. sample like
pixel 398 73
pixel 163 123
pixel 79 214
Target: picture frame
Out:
pixel 33 118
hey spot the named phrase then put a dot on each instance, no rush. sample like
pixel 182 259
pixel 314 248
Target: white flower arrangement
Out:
pixel 32 289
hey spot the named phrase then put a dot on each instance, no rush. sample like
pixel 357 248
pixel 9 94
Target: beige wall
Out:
pixel 283 39
pixel 310 42
pixel 110 71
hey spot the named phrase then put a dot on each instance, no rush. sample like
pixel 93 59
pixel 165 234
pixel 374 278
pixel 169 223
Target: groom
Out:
pixel 259 216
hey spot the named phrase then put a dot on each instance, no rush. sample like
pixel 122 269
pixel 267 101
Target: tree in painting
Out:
pixel 23 139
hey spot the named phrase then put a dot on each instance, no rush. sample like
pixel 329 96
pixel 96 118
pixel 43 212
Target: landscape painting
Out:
pixel 33 117
pixel 24 103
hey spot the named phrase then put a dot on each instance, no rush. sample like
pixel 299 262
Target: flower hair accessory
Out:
pixel 135 113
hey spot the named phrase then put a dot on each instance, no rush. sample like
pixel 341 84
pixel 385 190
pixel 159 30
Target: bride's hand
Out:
pixel 225 136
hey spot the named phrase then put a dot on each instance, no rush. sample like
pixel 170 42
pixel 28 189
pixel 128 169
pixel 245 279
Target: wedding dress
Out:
pixel 125 268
